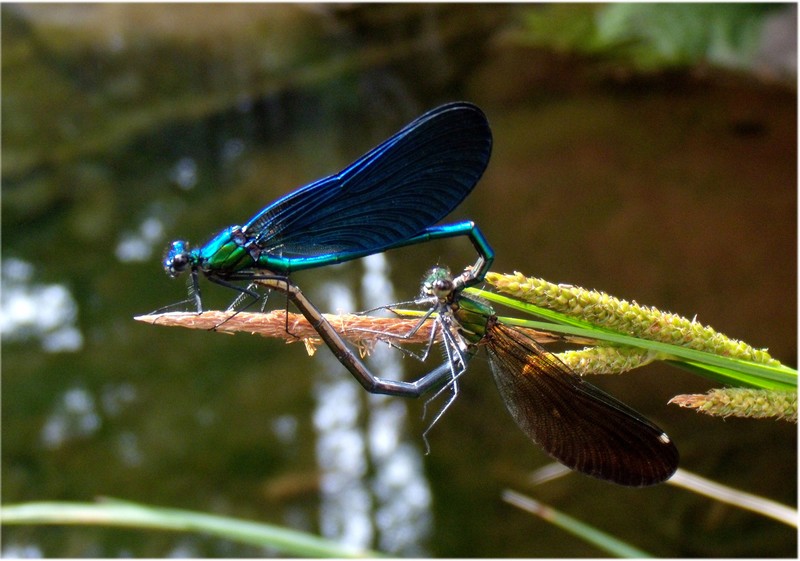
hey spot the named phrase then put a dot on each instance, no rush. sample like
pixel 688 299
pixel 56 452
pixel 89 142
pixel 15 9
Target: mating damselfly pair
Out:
pixel 394 196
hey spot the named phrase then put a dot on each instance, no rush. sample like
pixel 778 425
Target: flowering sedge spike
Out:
pixel 742 402
pixel 606 360
pixel 625 317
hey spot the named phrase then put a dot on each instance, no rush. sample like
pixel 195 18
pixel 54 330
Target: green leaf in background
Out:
pixel 651 36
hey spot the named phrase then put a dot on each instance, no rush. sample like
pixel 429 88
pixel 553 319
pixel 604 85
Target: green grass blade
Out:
pixel 719 368
pixel 740 499
pixel 134 515
pixel 590 534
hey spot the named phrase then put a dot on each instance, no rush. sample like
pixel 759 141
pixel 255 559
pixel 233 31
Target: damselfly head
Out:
pixel 178 258
pixel 438 283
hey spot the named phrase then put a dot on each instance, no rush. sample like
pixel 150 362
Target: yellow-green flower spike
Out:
pixel 743 402
pixel 606 360
pixel 625 317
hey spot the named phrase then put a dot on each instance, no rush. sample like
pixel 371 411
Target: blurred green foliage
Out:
pixel 650 36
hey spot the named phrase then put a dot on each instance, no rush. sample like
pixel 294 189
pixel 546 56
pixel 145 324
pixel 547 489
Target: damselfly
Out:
pixel 575 422
pixel 391 197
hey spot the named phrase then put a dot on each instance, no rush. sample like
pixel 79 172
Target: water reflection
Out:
pixel 285 428
pixel 79 414
pixel 128 449
pixel 47 312
pixel 138 246
pixel 374 491
pixel 21 551
pixel 345 505
pixel 74 416
pixel 184 173
pixel 400 487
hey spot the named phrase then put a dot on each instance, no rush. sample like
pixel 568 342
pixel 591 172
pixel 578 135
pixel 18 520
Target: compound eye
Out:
pixel 442 287
pixel 177 259
pixel 179 262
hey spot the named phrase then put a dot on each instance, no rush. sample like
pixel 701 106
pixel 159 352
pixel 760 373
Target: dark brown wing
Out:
pixel 576 423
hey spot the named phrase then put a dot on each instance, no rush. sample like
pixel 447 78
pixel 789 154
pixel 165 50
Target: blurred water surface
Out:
pixel 127 126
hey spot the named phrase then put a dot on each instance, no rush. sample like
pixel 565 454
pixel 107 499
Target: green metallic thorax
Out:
pixel 472 317
pixel 224 253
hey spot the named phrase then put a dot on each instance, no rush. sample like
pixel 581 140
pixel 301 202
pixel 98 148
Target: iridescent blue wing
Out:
pixel 406 184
